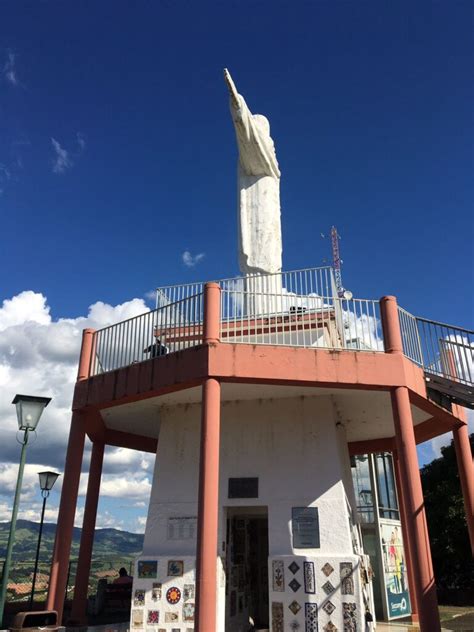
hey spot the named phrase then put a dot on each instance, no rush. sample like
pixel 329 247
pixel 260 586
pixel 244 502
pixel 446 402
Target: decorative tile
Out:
pixel 175 568
pixel 327 569
pixel 329 607
pixel 189 592
pixel 311 617
pixel 161 630
pixel 294 567
pixel 188 612
pixel 295 625
pixel 294 584
pixel 147 569
pixel 171 617
pixel 347 581
pixel 277 617
pixel 137 618
pixel 156 591
pixel 294 606
pixel 330 627
pixel 328 588
pixel 349 614
pixel 139 598
pixel 309 579
pixel 153 617
pixel 278 573
pixel 173 595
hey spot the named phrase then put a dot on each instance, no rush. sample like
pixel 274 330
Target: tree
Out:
pixel 450 547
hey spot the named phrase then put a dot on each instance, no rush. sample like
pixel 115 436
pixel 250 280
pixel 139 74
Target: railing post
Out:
pixel 212 313
pixel 85 360
pixel 392 335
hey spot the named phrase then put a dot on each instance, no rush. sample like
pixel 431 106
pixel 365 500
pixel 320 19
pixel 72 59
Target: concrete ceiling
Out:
pixel 365 414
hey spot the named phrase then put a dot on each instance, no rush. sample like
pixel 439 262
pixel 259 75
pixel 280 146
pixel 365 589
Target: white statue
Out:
pixel 259 190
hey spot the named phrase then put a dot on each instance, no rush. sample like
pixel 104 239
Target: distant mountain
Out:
pixel 107 542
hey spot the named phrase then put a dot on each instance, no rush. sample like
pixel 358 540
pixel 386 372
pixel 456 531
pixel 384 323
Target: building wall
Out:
pixel 297 449
pixel 291 445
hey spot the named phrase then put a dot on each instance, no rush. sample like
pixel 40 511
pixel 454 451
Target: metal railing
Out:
pixel 308 281
pixel 442 350
pixel 298 320
pixel 169 328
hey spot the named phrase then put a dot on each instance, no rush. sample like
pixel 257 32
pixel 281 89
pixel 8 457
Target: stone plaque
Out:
pixel 182 528
pixel 305 527
pixel 243 488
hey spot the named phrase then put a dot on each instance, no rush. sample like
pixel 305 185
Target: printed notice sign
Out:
pixel 305 527
pixel 182 528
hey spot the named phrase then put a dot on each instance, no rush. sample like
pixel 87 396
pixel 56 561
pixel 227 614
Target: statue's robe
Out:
pixel 260 245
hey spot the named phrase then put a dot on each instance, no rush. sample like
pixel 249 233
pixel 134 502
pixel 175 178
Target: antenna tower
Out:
pixel 336 261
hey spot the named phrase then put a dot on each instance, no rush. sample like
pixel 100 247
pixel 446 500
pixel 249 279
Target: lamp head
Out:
pixel 29 410
pixel 47 480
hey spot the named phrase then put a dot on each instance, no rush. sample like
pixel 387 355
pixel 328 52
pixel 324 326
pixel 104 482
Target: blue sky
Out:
pixel 117 151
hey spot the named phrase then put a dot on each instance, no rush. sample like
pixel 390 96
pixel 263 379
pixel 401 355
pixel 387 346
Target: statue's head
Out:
pixel 263 124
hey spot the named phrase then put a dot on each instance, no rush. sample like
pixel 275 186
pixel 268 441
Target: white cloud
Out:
pixel 81 141
pixel 443 440
pixel 190 261
pixel 38 356
pixel 9 69
pixel 62 160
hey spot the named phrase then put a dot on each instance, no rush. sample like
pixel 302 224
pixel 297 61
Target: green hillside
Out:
pixel 107 542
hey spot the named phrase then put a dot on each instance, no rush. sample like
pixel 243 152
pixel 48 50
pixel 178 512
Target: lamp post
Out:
pixel 28 410
pixel 47 480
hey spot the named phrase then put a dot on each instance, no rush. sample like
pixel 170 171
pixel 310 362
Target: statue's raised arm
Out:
pixel 256 148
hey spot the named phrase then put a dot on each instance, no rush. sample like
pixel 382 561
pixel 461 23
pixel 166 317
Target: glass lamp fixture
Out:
pixel 47 480
pixel 29 410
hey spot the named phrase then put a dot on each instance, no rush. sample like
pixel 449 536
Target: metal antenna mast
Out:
pixel 336 261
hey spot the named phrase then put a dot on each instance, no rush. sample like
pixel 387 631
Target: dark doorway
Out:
pixel 247 569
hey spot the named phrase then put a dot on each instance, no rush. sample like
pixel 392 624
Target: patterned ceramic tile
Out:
pixel 311 617
pixel 175 568
pixel 188 612
pixel 171 617
pixel 153 617
pixel 277 617
pixel 294 584
pixel 173 595
pixel 156 591
pixel 147 569
pixel 347 581
pixel 188 592
pixel 294 606
pixel 309 580
pixel 328 588
pixel 330 627
pixel 137 618
pixel 329 607
pixel 294 567
pixel 350 620
pixel 327 569
pixel 139 598
pixel 278 572
pixel 295 625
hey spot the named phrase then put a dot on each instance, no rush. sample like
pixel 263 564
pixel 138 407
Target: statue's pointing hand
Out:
pixel 234 95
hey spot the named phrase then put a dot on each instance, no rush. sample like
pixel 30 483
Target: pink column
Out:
pixel 462 447
pixel 212 311
pixel 79 605
pixel 67 512
pixel 208 503
pixel 208 509
pixel 416 526
pixel 85 359
pixel 406 539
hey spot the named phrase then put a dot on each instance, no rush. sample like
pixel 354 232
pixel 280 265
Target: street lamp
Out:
pixel 47 480
pixel 28 410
